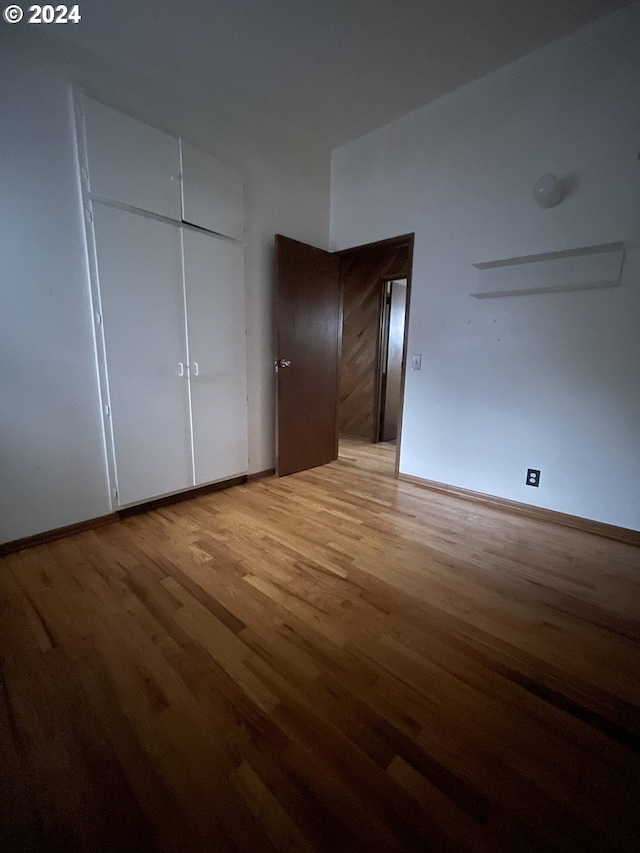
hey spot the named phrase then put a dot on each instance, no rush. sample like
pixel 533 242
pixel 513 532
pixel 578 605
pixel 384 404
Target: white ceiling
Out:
pixel 334 69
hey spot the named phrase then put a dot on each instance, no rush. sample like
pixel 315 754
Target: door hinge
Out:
pixel 114 492
pixel 98 318
pixel 88 214
pixel 107 411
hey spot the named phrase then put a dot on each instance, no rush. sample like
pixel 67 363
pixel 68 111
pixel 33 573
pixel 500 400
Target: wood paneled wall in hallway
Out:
pixel 363 270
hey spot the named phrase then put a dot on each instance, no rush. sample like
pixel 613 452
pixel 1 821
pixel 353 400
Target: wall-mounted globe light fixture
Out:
pixel 547 191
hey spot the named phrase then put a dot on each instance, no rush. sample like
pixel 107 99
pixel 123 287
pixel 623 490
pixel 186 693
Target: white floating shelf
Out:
pixel 572 269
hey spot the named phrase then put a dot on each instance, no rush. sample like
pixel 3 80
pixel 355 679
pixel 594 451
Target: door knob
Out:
pixel 284 362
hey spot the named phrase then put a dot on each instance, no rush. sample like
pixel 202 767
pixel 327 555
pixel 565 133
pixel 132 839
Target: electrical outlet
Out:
pixel 533 477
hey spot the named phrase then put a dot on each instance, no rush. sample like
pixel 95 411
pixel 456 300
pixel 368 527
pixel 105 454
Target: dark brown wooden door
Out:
pixel 307 347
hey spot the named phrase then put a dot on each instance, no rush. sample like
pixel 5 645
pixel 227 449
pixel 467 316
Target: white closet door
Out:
pixel 139 262
pixel 212 193
pixel 214 285
pixel 131 162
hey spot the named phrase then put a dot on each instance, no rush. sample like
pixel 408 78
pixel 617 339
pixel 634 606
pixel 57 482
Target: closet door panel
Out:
pixel 131 162
pixel 214 286
pixel 212 193
pixel 142 297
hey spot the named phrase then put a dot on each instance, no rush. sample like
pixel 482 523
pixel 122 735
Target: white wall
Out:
pixel 548 381
pixel 52 460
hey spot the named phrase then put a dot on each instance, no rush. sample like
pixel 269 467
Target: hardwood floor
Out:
pixel 330 661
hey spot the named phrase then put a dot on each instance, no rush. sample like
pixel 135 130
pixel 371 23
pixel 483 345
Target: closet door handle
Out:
pixel 196 369
pixel 180 368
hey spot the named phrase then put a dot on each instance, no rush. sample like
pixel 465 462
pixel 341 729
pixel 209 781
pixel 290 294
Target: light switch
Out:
pixel 416 362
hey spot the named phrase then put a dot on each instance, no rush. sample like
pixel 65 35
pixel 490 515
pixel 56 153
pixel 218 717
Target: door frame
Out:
pixel 401 240
pixel 383 349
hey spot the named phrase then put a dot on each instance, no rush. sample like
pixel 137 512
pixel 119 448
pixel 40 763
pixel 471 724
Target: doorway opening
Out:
pixel 391 358
pixel 375 290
